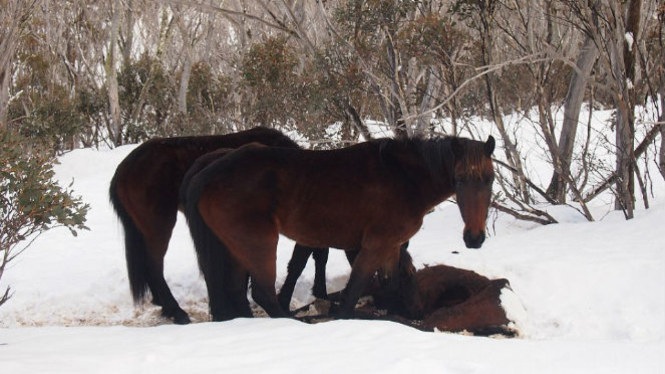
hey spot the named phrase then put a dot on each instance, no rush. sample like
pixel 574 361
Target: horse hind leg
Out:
pixel 251 239
pixel 170 307
pixel 160 290
pixel 237 279
pixel 226 280
pixel 263 292
pixel 261 267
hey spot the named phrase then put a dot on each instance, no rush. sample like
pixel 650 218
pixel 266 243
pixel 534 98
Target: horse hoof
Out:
pixel 284 304
pixel 179 317
pixel 182 320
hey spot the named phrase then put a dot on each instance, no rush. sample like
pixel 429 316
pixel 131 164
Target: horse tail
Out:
pixel 136 252
pixel 211 253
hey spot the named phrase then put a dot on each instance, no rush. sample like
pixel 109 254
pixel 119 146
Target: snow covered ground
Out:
pixel 588 298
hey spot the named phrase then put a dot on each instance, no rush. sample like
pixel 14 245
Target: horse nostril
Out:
pixel 481 239
pixel 473 241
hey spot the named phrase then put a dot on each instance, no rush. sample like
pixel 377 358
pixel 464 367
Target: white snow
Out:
pixel 629 84
pixel 588 297
pixel 629 40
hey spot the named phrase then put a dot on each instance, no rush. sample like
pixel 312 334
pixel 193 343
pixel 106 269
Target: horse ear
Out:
pixel 489 146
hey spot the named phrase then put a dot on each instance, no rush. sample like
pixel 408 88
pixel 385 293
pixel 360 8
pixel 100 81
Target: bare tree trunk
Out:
pixel 129 33
pixel 641 148
pixel 661 118
pixel 394 115
pixel 509 147
pixel 187 65
pixel 357 121
pixel 427 102
pixel 625 126
pixel 184 83
pixel 4 95
pixel 572 107
pixel 115 128
pixel 8 42
pixel 14 19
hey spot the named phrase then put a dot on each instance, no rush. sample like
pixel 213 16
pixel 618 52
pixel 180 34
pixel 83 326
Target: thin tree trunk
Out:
pixel 129 37
pixel 357 121
pixel 184 84
pixel 661 118
pixel 187 67
pixel 433 85
pixel 394 114
pixel 4 95
pixel 509 147
pixel 641 148
pixel 8 41
pixel 625 126
pixel 115 128
pixel 572 107
pixel 14 17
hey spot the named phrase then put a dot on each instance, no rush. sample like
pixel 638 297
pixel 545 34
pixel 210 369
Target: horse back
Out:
pixel 159 165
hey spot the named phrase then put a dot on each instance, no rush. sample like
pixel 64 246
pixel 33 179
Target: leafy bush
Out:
pixel 30 201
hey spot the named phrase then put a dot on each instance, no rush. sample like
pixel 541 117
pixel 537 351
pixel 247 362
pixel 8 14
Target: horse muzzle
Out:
pixel 473 240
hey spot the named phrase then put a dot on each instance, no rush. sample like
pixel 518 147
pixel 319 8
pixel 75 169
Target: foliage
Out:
pixel 54 122
pixel 30 201
pixel 269 72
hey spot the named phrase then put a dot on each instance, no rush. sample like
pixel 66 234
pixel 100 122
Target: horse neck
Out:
pixel 439 162
pixel 430 179
pixel 437 191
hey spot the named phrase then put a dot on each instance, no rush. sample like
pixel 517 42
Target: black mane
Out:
pixel 436 154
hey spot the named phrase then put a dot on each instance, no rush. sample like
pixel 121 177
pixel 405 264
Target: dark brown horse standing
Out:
pixel 144 193
pixel 370 198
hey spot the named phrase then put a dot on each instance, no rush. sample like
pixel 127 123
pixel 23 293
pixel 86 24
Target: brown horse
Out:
pixel 144 193
pixel 370 197
pixel 234 293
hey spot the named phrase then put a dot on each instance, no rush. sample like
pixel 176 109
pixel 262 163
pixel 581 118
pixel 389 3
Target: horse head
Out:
pixel 473 176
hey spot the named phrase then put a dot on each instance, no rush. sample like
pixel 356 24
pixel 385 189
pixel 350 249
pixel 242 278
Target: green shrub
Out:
pixel 31 202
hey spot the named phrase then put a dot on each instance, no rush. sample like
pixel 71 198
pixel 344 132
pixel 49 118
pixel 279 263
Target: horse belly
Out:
pixel 320 233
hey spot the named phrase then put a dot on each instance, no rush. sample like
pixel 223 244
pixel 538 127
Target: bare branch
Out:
pixel 228 12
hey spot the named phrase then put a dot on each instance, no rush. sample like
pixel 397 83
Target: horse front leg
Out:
pixel 401 287
pixel 294 270
pixel 319 289
pixel 366 263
